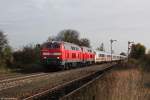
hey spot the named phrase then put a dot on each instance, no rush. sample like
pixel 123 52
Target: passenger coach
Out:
pixel 101 57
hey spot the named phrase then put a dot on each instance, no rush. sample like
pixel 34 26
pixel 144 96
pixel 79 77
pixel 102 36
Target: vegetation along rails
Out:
pixel 62 90
pixel 12 82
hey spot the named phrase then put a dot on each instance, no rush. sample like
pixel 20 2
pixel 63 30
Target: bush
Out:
pixel 137 51
pixel 5 53
pixel 145 63
pixel 29 55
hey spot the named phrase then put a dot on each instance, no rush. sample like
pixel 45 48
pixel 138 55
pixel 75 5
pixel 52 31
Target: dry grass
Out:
pixel 124 85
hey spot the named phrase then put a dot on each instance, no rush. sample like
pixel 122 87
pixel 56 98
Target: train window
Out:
pixel 73 48
pixel 89 50
pixel 101 55
pixel 76 48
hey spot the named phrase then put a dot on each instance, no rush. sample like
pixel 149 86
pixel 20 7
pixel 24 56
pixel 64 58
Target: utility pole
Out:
pixel 129 42
pixel 111 43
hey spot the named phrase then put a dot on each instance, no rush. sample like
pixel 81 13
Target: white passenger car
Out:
pixel 101 56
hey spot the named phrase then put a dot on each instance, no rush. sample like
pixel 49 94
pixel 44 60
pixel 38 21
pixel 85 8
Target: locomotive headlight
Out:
pixel 57 54
pixel 46 53
pixel 45 57
pixel 57 57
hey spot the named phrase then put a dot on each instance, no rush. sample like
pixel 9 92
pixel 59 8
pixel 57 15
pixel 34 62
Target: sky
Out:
pixel 33 21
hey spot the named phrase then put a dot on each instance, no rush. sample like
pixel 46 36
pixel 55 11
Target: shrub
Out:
pixel 29 55
pixel 145 63
pixel 137 51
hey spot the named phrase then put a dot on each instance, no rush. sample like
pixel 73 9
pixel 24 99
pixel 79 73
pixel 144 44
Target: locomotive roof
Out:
pixel 63 42
pixel 68 43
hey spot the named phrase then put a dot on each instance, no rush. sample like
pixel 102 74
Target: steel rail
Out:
pixel 85 85
pixel 19 77
pixel 9 83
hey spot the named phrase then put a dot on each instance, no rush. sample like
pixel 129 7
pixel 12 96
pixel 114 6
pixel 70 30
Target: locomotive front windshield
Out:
pixel 54 45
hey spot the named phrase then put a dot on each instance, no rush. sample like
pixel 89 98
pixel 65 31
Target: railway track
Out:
pixel 6 76
pixel 13 76
pixel 68 88
pixel 49 85
pixel 18 80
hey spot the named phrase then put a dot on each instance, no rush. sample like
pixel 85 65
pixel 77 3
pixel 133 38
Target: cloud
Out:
pixel 34 20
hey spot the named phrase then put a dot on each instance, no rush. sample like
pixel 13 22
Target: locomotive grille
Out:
pixel 52 61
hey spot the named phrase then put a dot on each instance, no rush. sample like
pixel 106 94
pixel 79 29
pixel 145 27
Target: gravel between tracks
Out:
pixel 17 81
pixel 48 81
pixel 14 75
pixel 6 76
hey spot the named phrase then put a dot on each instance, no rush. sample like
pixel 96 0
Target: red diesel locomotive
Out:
pixel 88 56
pixel 65 55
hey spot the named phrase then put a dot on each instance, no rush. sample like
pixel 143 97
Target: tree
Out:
pixel 29 55
pixel 123 54
pixel 84 42
pixel 3 42
pixel 37 49
pixel 5 51
pixel 69 35
pixel 137 51
pixel 7 56
pixel 101 47
pixel 50 38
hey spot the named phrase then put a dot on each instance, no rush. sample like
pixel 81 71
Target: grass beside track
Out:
pixel 119 84
pixel 125 85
